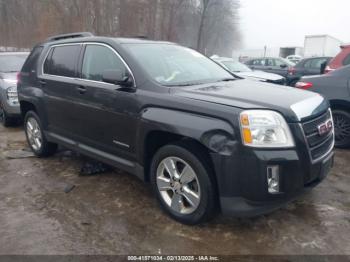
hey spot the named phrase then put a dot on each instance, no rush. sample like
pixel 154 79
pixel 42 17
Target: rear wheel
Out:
pixel 183 184
pixel 36 137
pixel 342 128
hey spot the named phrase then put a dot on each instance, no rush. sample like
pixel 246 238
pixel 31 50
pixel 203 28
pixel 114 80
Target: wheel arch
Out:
pixel 26 107
pixel 340 105
pixel 205 134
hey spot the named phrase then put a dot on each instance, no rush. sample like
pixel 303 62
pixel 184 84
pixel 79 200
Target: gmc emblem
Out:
pixel 325 127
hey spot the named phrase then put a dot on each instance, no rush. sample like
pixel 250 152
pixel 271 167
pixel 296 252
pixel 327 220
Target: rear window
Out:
pixel 32 61
pixel 315 63
pixel 62 61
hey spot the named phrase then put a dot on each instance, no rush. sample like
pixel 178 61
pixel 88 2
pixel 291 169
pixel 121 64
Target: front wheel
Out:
pixel 35 136
pixel 183 184
pixel 342 128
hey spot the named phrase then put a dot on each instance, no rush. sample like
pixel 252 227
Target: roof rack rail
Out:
pixel 67 36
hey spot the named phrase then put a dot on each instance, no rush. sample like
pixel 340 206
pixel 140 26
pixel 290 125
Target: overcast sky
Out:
pixel 277 23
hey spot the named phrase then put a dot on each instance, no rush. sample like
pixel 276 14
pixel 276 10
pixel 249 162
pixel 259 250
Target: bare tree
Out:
pixel 209 26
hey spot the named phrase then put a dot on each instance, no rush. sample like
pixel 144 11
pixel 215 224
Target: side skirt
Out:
pixel 115 161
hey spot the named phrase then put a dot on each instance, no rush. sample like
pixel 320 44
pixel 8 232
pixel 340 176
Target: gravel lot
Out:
pixel 115 213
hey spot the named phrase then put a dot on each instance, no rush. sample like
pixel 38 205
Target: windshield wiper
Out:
pixel 185 84
pixel 227 79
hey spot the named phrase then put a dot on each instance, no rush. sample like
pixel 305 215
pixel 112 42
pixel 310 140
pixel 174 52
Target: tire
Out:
pixel 342 128
pixel 4 119
pixel 191 208
pixel 34 133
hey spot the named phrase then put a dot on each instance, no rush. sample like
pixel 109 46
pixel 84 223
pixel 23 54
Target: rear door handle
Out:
pixel 42 82
pixel 81 89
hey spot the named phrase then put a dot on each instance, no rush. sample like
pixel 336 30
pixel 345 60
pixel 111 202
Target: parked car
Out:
pixel 342 59
pixel 205 140
pixel 244 71
pixel 10 65
pixel 335 86
pixel 294 58
pixel 307 66
pixel 273 65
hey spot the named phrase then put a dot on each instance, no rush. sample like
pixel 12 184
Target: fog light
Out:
pixel 273 179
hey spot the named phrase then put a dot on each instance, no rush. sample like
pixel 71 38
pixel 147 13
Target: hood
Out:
pixel 295 104
pixel 259 75
pixel 11 77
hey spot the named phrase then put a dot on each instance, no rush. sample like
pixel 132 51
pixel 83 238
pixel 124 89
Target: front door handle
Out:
pixel 81 89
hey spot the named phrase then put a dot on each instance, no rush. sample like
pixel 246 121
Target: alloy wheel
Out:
pixel 341 127
pixel 178 185
pixel 34 133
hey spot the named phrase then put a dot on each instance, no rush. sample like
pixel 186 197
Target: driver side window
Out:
pixel 97 59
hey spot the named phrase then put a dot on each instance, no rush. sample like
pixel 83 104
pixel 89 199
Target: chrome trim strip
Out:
pixel 87 80
pixel 106 155
pixel 90 149
pixel 121 144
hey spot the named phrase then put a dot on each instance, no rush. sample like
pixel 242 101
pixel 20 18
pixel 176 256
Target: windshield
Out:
pixel 234 66
pixel 173 65
pixel 11 63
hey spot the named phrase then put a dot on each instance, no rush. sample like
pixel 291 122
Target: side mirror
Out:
pixel 116 77
pixel 283 66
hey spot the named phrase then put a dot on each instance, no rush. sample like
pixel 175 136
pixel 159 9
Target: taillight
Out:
pixel 303 85
pixel 18 77
pixel 291 71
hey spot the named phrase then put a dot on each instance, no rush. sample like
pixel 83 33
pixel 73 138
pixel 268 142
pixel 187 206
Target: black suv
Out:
pixel 205 140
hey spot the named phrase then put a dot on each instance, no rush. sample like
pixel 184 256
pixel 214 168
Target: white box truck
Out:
pixel 321 45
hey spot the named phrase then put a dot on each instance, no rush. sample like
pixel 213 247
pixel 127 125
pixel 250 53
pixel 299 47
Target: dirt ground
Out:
pixel 115 213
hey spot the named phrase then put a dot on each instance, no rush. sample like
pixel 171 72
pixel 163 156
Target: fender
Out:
pixel 35 97
pixel 215 134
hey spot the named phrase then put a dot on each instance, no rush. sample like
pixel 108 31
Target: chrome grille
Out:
pixel 319 144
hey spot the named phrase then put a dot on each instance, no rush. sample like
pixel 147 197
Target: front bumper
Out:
pixel 12 110
pixel 242 180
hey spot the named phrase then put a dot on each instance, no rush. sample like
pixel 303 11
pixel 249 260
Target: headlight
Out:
pixel 12 95
pixel 264 128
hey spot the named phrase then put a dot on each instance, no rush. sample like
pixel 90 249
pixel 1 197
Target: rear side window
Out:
pixel 32 60
pixel 271 62
pixel 258 62
pixel 97 59
pixel 62 61
pixel 315 63
pixel 346 61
